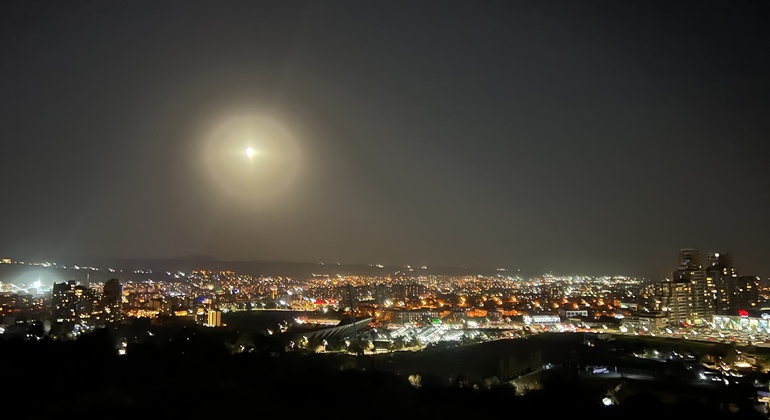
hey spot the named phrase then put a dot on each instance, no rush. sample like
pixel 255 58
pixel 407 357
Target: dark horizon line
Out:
pixel 207 258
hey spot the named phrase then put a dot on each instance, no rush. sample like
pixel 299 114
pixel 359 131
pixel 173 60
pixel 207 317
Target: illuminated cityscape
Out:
pixel 412 313
pixel 707 302
pixel 695 295
pixel 388 210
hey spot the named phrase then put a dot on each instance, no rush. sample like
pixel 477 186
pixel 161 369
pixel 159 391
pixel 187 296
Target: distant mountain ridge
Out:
pixel 195 257
pixel 187 263
pixel 175 268
pixel 134 268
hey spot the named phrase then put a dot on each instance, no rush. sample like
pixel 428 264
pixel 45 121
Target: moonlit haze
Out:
pixel 271 164
pixel 576 137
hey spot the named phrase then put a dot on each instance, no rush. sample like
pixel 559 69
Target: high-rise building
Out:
pixel 409 292
pixel 71 302
pixel 734 292
pixel 739 293
pixel 62 306
pixel 675 299
pixel 719 272
pixel 696 293
pixel 703 290
pixel 720 261
pixel 689 259
pixel 112 300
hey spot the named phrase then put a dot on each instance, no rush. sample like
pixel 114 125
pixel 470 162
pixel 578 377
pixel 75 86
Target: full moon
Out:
pixel 253 135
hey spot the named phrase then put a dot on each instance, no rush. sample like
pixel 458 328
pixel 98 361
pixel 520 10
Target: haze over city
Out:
pixel 576 137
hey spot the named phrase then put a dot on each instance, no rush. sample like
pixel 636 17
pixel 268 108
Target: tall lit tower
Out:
pixel 733 292
pixel 689 259
pixel 694 287
pixel 721 261
pixel 112 300
pixel 719 271
pixel 63 302
pixel 71 302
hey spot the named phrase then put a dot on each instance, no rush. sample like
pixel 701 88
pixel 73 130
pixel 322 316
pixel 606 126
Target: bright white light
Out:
pixel 252 135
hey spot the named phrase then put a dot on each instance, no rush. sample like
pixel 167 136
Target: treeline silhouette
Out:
pixel 194 372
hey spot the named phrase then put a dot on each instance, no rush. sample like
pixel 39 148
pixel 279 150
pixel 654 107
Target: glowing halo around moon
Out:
pixel 251 158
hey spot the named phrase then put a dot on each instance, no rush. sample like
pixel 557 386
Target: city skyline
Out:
pixel 593 137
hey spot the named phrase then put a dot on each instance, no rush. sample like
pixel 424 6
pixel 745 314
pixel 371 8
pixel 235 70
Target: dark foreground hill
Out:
pixel 196 375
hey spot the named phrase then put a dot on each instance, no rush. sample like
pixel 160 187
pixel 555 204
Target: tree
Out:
pixel 512 369
pixel 37 329
pixel 536 360
pixel 244 343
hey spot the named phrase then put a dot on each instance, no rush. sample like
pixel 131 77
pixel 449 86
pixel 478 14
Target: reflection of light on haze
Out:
pixel 37 278
pixel 252 158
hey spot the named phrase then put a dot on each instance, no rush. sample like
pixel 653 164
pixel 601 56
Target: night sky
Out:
pixel 594 137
